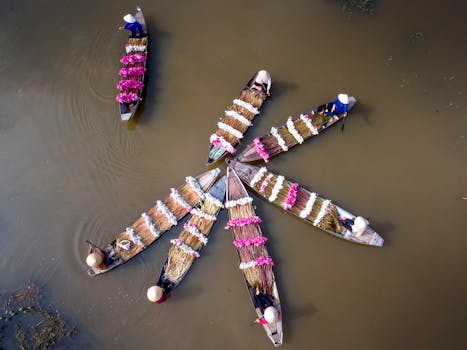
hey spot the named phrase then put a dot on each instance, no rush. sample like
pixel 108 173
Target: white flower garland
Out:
pixel 179 199
pixel 308 124
pixel 258 176
pixel 202 214
pixel 184 247
pixel 150 225
pixel 293 131
pixel 322 212
pixel 230 130
pixel 309 206
pixel 226 145
pixel 241 201
pixel 131 48
pixel 277 187
pixel 134 237
pixel 214 200
pixel 279 139
pixel 195 186
pixel 247 265
pixel 192 229
pixel 238 117
pixel 246 105
pixel 166 211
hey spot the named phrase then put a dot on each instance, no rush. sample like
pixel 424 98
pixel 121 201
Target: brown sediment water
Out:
pixel 70 170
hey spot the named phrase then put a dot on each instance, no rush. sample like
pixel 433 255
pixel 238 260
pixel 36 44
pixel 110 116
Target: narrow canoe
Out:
pixel 237 119
pixel 255 262
pixel 185 249
pixel 293 132
pixel 153 224
pixel 132 74
pixel 307 205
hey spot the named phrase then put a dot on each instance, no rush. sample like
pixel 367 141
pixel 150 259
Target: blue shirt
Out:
pixel 340 107
pixel 135 28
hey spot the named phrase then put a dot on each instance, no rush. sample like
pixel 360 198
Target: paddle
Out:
pixel 343 121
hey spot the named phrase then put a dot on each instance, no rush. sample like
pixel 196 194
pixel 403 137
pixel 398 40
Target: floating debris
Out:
pixel 367 6
pixel 33 326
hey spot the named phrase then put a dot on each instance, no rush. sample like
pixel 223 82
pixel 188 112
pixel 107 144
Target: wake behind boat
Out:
pixel 238 117
pixel 185 249
pixel 134 67
pixel 151 225
pixel 293 132
pixel 255 262
pixel 307 205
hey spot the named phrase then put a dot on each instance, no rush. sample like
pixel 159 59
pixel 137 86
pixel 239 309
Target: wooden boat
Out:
pixel 185 249
pixel 307 205
pixel 255 262
pixel 293 132
pixel 236 121
pixel 153 224
pixel 133 71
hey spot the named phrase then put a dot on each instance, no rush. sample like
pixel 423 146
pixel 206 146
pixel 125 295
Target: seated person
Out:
pixel 270 313
pixel 357 225
pixel 96 258
pixel 337 107
pixel 261 82
pixel 133 26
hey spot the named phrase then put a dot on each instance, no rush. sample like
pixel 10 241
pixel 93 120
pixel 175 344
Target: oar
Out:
pixel 343 121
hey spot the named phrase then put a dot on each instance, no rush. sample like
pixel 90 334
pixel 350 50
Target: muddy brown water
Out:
pixel 71 171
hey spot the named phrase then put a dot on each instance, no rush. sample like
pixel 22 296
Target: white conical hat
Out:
pixel 344 98
pixel 154 293
pixel 270 314
pixel 94 259
pixel 263 77
pixel 129 18
pixel 360 224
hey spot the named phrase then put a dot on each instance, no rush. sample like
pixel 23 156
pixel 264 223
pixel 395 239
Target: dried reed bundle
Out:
pixel 271 145
pixel 179 261
pixel 160 221
pixel 138 41
pixel 256 100
pixel 258 277
pixel 329 222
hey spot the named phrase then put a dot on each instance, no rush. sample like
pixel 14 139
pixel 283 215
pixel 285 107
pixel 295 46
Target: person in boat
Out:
pixel 159 293
pixel 356 225
pixel 131 24
pixel 270 313
pixel 340 106
pixel 261 82
pixel 96 258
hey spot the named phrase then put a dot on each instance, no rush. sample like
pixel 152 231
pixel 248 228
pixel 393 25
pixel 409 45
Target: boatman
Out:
pixel 337 107
pixel 96 258
pixel 133 26
pixel 270 313
pixel 261 82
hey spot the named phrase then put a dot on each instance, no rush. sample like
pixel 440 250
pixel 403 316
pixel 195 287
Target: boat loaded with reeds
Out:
pixel 238 117
pixel 307 205
pixel 186 248
pixel 151 225
pixel 293 132
pixel 132 74
pixel 255 262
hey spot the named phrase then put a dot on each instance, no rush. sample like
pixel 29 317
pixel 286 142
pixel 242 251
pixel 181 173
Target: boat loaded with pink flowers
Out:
pixel 131 82
pixel 237 118
pixel 307 205
pixel 255 263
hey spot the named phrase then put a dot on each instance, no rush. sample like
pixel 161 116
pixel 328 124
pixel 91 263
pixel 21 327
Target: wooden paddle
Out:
pixel 343 121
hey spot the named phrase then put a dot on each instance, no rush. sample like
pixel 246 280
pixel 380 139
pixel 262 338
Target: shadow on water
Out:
pixel 383 229
pixel 365 111
pixel 279 88
pixel 157 39
pixel 294 313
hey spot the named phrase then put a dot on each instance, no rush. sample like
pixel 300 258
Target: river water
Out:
pixel 71 171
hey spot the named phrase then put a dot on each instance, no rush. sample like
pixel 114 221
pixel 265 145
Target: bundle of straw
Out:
pixel 252 97
pixel 138 41
pixel 271 145
pixel 258 277
pixel 329 222
pixel 180 261
pixel 160 221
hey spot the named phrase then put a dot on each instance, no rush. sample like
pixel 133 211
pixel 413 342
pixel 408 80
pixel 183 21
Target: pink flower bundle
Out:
pixel 260 149
pixel 127 98
pixel 216 141
pixel 243 222
pixel 291 197
pixel 133 58
pixel 265 183
pixel 129 84
pixel 256 241
pixel 132 71
pixel 264 260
